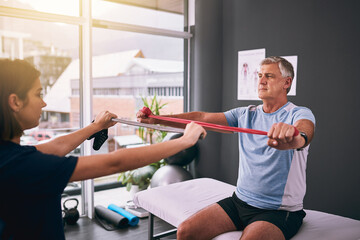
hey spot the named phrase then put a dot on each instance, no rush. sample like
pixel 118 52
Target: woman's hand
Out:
pixel 193 132
pixel 103 120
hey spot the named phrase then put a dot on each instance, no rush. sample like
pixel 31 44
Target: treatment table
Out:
pixel 176 202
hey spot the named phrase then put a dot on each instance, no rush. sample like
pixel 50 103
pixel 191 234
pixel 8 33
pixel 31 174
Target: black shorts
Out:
pixel 243 214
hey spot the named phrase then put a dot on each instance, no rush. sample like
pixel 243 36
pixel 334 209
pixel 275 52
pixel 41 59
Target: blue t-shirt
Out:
pixel 31 184
pixel 269 178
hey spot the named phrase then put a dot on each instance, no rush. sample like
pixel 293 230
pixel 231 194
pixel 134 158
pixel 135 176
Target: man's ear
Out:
pixel 288 82
pixel 15 102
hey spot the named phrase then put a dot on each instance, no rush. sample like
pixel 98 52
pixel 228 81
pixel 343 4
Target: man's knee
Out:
pixel 262 230
pixel 184 231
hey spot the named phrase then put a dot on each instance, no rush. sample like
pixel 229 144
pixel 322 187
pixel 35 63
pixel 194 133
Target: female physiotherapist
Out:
pixel 32 178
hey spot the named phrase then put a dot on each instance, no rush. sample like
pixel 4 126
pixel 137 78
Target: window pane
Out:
pixel 126 68
pixel 63 7
pixel 56 57
pixel 154 13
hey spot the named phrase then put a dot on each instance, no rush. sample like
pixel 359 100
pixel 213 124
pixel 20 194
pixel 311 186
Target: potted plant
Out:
pixel 141 177
pixel 155 107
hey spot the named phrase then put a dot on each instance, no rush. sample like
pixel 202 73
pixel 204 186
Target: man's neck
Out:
pixel 270 106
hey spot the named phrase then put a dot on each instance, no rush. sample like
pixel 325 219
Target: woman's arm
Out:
pixel 65 144
pixel 131 158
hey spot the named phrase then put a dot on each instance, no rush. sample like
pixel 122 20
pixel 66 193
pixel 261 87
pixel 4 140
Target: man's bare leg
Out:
pixel 260 230
pixel 206 224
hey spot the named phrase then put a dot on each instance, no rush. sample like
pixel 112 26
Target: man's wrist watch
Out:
pixel 306 141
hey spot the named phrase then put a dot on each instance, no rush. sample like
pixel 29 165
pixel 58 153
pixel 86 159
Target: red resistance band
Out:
pixel 148 113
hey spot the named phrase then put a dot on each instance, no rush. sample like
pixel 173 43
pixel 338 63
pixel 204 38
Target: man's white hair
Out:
pixel 286 68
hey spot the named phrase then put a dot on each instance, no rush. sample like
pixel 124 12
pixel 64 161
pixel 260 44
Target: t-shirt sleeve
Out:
pixel 41 173
pixel 233 115
pixel 303 113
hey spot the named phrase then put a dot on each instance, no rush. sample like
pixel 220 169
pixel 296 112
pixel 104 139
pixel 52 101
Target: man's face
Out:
pixel 271 83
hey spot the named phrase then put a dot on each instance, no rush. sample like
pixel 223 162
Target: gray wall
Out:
pixel 326 37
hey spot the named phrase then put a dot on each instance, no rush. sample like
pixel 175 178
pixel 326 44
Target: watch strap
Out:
pixel 302 134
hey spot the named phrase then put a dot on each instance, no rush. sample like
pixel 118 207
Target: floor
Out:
pixel 87 229
pixel 90 229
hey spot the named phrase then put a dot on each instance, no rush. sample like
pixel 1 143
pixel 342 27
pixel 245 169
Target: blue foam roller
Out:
pixel 133 220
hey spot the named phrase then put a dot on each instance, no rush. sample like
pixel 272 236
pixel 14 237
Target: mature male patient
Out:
pixel 268 201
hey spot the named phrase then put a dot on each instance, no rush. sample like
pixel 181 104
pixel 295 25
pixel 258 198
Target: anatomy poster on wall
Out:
pixel 248 67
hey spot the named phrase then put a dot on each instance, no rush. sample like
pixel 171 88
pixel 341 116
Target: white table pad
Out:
pixel 176 202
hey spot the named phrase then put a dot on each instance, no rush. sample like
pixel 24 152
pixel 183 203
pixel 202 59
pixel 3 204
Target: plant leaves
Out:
pixel 128 186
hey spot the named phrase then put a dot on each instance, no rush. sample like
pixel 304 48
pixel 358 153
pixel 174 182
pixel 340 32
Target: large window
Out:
pixel 150 13
pixel 63 7
pixel 98 55
pixel 137 66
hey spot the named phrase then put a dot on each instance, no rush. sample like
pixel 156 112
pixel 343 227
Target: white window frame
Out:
pixel 86 23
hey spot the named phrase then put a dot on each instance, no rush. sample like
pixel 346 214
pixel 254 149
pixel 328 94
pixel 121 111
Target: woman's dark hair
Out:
pixel 16 76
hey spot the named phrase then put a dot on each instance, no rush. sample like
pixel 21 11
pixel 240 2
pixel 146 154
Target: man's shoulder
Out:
pixel 240 111
pixel 293 107
pixel 300 112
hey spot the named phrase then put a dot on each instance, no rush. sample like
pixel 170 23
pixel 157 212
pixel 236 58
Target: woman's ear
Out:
pixel 15 102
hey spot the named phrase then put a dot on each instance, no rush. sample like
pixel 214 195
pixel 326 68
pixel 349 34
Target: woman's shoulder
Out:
pixel 8 146
pixel 10 151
